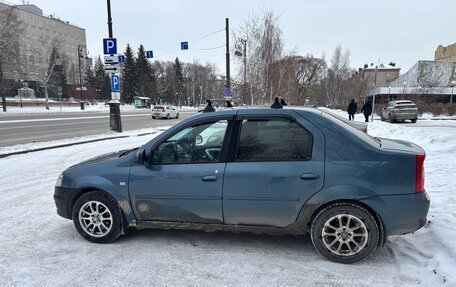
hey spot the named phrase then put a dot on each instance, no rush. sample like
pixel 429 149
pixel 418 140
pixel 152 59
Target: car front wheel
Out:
pixel 177 115
pixel 345 233
pixel 167 116
pixel 413 120
pixel 97 217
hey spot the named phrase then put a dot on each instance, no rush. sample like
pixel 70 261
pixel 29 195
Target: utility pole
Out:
pixel 81 95
pixel 375 90
pixel 227 30
pixel 114 105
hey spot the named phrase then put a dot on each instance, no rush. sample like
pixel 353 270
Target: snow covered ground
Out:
pixel 100 107
pixel 39 248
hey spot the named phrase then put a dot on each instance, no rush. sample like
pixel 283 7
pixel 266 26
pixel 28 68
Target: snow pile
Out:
pixel 38 247
pixel 100 107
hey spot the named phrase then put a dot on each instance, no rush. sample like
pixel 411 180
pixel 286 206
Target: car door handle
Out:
pixel 209 178
pixel 309 176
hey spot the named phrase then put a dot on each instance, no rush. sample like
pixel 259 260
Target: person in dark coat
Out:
pixel 352 107
pixel 367 110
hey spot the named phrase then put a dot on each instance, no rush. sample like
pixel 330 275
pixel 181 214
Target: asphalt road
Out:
pixel 23 129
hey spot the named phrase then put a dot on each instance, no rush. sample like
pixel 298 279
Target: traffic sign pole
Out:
pixel 110 48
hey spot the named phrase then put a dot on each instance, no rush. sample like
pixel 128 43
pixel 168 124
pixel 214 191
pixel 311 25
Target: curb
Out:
pixel 72 144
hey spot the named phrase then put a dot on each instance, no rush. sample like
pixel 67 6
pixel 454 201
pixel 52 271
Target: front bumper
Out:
pixel 401 214
pixel 62 198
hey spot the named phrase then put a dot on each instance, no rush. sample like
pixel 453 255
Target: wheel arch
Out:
pixel 337 194
pixel 124 205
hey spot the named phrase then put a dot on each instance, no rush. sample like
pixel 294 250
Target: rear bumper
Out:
pixel 62 198
pixel 405 116
pixel 401 214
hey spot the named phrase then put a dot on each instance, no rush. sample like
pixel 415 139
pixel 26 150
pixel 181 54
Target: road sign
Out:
pixel 149 54
pixel 184 45
pixel 112 68
pixel 111 60
pixel 121 58
pixel 227 92
pixel 115 96
pixel 115 83
pixel 110 46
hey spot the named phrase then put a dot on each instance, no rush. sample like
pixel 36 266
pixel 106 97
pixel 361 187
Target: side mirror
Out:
pixel 198 139
pixel 140 156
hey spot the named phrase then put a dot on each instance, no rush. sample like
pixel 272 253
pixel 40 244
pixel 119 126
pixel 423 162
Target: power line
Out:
pixel 213 48
pixel 194 40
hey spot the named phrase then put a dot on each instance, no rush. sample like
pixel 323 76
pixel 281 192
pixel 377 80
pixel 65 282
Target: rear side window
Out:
pixel 278 139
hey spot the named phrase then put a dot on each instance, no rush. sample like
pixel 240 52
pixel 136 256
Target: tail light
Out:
pixel 163 110
pixel 365 130
pixel 419 183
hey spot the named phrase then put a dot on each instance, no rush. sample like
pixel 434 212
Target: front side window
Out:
pixel 277 139
pixel 196 144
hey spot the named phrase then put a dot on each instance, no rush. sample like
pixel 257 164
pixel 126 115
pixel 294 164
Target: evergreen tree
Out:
pixel 143 72
pixel 130 82
pixel 89 76
pixel 56 74
pixel 179 81
pixel 102 82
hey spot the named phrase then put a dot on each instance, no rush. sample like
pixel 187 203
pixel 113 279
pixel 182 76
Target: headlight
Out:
pixel 59 180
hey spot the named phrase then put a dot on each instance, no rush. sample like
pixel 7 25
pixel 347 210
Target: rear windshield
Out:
pixel 359 134
pixel 406 106
pixel 159 107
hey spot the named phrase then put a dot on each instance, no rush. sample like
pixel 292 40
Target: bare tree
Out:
pixel 10 34
pixel 338 72
pixel 264 48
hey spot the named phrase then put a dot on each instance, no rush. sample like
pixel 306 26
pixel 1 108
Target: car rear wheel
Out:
pixel 97 217
pixel 390 118
pixel 413 120
pixel 177 115
pixel 167 116
pixel 345 233
pixel 153 117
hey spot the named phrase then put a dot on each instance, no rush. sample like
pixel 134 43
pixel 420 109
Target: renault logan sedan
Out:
pixel 286 171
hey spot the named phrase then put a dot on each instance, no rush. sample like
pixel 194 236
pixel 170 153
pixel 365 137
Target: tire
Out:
pixel 177 115
pixel 338 247
pixel 101 220
pixel 381 118
pixel 390 118
pixel 167 116
pixel 153 117
pixel 414 120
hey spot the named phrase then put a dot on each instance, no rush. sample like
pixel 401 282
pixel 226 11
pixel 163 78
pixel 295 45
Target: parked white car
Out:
pixel 165 111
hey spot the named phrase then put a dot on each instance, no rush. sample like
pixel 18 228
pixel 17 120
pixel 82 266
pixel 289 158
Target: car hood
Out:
pixel 100 158
pixel 400 145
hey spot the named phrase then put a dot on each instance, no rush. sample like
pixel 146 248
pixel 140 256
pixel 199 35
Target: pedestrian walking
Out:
pixel 367 110
pixel 352 107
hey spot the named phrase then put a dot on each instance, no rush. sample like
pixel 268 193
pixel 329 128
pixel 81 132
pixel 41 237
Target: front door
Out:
pixel 278 166
pixel 183 181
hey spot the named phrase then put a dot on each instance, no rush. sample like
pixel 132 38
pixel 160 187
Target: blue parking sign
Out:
pixel 184 45
pixel 149 54
pixel 115 83
pixel 110 46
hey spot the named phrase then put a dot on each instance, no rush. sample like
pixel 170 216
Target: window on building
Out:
pixel 31 59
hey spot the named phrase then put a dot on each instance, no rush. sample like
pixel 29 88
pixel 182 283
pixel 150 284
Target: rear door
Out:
pixel 277 166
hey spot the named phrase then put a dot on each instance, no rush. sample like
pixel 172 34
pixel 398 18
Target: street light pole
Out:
pixel 452 87
pixel 81 94
pixel 403 91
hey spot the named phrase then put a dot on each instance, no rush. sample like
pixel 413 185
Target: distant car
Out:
pixel 281 171
pixel 362 126
pixel 399 111
pixel 165 112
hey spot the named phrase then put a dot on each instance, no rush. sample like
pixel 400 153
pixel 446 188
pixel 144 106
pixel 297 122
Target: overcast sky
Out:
pixel 390 30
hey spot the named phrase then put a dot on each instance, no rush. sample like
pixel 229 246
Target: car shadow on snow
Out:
pixel 221 239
